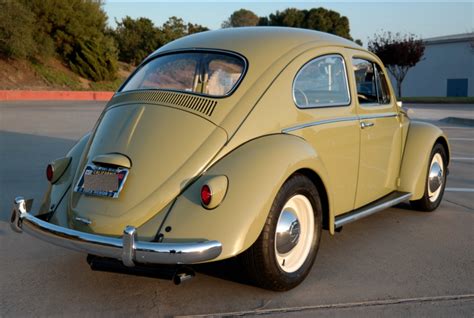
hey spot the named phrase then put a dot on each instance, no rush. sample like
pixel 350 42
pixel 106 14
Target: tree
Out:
pixel 175 28
pixel 17 25
pixel 195 28
pixel 241 18
pixel 319 19
pixel 136 39
pixel 398 52
pixel 72 26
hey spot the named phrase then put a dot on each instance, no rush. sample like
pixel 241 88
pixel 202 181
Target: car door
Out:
pixel 380 131
pixel 321 92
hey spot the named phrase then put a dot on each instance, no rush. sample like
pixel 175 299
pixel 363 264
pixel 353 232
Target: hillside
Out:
pixel 51 75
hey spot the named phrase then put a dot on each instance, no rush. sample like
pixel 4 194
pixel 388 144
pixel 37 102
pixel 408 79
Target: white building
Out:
pixel 446 69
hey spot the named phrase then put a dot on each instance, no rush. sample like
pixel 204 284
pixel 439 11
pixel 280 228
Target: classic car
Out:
pixel 245 143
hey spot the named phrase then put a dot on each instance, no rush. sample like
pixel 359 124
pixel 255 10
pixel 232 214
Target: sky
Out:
pixel 424 18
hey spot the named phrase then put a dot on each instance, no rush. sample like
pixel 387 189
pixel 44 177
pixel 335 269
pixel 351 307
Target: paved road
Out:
pixel 394 263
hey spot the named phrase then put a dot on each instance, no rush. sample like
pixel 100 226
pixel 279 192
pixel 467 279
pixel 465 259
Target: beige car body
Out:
pixel 256 138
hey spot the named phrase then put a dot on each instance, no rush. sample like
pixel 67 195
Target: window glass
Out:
pixel 322 82
pixel 371 84
pixel 213 74
pixel 382 87
pixel 224 72
pixel 365 81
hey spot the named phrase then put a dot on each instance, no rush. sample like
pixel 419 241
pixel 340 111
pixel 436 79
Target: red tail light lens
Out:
pixel 49 173
pixel 206 195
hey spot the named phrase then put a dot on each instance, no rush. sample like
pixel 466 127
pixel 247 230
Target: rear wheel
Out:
pixel 435 181
pixel 284 252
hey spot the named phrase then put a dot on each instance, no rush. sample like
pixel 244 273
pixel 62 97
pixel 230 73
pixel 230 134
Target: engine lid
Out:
pixel 167 148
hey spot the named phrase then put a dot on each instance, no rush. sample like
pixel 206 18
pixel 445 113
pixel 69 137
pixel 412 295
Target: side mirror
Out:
pixel 399 104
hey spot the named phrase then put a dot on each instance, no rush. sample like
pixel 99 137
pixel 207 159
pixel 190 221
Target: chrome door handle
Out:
pixel 365 124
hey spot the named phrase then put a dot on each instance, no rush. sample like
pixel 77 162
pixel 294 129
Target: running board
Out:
pixel 387 201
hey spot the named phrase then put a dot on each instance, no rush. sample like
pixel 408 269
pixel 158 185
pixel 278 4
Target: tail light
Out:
pixel 206 195
pixel 213 192
pixel 49 172
pixel 56 169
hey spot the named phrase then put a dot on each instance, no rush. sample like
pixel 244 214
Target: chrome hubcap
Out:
pixel 287 232
pixel 294 233
pixel 435 177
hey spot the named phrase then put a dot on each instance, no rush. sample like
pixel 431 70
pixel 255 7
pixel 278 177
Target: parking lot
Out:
pixel 397 262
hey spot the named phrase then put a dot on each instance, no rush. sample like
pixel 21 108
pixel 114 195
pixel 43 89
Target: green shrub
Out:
pixel 17 26
pixel 78 30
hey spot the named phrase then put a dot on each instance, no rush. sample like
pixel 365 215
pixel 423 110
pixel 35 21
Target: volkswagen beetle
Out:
pixel 240 142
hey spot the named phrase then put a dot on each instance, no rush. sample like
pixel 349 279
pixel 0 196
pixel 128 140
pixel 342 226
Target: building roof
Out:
pixel 463 37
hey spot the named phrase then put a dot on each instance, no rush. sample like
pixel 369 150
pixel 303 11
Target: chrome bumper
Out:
pixel 128 248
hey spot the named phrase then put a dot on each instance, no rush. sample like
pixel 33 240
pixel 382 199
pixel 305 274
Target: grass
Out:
pixel 438 100
pixel 106 86
pixel 57 77
pixel 68 80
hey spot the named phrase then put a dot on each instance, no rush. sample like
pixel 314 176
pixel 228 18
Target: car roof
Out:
pixel 253 42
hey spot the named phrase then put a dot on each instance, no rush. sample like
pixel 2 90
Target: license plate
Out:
pixel 102 181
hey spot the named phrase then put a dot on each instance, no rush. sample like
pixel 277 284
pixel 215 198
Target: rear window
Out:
pixel 212 74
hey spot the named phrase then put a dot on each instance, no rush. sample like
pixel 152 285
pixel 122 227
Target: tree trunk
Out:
pixel 399 88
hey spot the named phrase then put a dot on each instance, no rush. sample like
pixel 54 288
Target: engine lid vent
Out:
pixel 198 104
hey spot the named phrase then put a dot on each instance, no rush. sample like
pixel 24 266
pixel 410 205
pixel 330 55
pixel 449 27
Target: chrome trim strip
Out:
pixel 127 248
pixel 319 122
pixel 382 204
pixel 336 120
pixel 381 115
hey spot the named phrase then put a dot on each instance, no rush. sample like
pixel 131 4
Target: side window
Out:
pixel 371 84
pixel 382 87
pixel 322 82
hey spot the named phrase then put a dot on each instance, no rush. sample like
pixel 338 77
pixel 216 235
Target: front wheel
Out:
pixel 285 251
pixel 435 181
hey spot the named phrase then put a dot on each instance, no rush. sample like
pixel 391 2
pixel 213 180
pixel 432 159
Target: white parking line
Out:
pixel 463 158
pixel 461 139
pixel 459 189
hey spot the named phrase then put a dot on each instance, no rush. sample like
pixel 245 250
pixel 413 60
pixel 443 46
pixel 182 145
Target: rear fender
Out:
pixel 420 140
pixel 255 171
pixel 55 193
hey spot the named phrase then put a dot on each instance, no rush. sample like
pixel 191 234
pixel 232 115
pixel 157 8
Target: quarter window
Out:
pixel 372 86
pixel 322 82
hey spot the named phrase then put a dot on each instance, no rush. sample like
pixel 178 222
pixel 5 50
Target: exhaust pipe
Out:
pixel 183 274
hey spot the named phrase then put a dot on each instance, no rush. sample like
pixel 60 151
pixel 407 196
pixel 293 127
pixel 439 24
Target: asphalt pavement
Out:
pixel 395 263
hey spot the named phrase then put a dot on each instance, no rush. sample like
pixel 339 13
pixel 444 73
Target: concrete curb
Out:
pixel 458 121
pixel 12 95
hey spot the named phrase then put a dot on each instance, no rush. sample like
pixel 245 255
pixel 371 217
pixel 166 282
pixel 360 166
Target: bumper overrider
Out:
pixel 127 249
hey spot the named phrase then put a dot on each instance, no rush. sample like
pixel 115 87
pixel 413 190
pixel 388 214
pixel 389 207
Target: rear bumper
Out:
pixel 128 248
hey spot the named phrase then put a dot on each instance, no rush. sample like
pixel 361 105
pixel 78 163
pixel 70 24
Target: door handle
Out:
pixel 365 124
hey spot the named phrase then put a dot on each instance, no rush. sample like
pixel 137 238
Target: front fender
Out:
pixel 255 170
pixel 420 140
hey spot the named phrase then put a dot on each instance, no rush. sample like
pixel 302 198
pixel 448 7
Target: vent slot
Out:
pixel 197 104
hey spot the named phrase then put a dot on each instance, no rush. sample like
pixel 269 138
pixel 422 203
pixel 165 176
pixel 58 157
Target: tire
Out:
pixel 433 195
pixel 281 260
